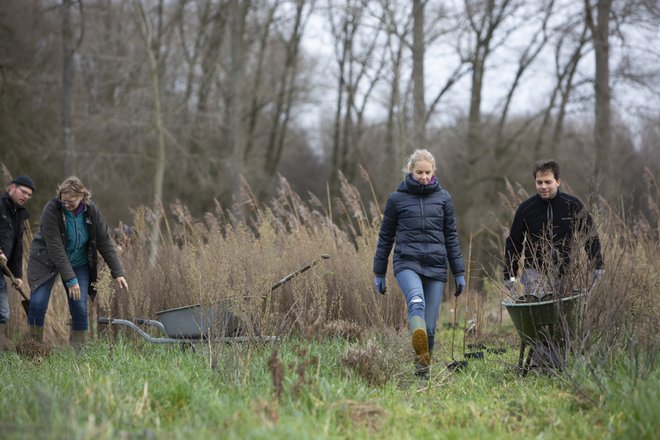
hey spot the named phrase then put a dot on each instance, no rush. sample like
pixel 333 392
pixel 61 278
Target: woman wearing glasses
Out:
pixel 71 235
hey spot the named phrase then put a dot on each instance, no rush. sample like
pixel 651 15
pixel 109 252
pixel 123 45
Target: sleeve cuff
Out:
pixel 72 282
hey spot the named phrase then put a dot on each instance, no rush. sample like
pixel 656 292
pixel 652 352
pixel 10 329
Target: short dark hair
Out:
pixel 546 165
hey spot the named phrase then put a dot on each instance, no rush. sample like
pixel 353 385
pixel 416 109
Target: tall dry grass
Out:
pixel 225 258
pixel 237 259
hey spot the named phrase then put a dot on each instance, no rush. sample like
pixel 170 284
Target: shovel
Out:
pixel 265 297
pixel 25 302
pixel 298 272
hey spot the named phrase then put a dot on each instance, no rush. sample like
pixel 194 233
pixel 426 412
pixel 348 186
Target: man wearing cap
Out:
pixel 12 216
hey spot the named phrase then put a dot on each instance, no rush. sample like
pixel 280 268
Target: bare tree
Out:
pixel 527 56
pixel 600 30
pixel 159 156
pixel 286 91
pixel 235 134
pixel 257 102
pixel 359 70
pixel 68 50
pixel 192 52
pixel 398 27
pixel 565 71
pixel 212 51
pixel 483 20
pixel 418 51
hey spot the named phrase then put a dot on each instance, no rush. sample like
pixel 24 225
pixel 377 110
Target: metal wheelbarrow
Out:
pixel 546 324
pixel 199 322
pixel 189 325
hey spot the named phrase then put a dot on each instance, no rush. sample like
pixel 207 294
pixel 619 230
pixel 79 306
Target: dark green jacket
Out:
pixel 12 218
pixel 48 250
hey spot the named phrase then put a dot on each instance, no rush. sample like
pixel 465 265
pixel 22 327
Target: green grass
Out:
pixel 140 390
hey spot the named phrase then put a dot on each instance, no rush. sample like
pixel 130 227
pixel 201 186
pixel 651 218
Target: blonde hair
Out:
pixel 73 185
pixel 418 155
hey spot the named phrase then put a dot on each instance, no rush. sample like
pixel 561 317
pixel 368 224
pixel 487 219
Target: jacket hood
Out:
pixel 410 185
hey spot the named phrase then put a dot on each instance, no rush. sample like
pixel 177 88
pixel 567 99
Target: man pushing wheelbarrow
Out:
pixel 547 230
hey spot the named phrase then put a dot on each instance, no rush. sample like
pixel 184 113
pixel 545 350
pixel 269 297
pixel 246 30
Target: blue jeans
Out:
pixel 78 308
pixel 423 296
pixel 4 300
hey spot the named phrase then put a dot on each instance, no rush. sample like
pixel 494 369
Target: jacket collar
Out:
pixel 412 186
pixel 551 201
pixel 7 200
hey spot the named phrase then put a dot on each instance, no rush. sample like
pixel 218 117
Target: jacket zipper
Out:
pixel 421 209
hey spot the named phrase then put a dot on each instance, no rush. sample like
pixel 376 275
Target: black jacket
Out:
pixel 12 217
pixel 48 250
pixel 530 230
pixel 422 221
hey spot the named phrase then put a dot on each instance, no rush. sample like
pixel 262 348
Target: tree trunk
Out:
pixel 345 37
pixel 393 125
pixel 159 153
pixel 234 108
pixel 418 49
pixel 286 94
pixel 602 126
pixel 67 90
pixel 257 100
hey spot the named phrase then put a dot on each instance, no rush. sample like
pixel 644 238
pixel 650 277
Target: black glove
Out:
pixel 379 284
pixel 460 285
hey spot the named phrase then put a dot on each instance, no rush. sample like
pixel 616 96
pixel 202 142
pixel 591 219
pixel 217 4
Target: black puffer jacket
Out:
pixel 422 221
pixel 12 217
pixel 48 250
pixel 530 230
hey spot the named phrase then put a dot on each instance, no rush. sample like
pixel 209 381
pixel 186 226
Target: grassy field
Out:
pixel 339 370
pixel 319 388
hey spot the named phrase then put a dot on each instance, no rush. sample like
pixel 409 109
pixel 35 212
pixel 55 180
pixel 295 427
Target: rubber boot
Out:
pixel 37 333
pixel 78 339
pixel 5 342
pixel 420 343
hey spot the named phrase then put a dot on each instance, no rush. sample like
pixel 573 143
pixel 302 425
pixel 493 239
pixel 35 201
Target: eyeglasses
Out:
pixel 25 192
pixel 70 202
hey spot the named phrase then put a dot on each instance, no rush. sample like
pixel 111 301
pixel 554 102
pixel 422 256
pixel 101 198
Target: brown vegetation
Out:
pixel 237 260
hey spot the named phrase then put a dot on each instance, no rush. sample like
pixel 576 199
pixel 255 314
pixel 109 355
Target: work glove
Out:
pixel 379 284
pixel 510 283
pixel 598 274
pixel 460 285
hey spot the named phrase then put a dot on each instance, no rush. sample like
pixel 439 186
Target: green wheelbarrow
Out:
pixel 547 324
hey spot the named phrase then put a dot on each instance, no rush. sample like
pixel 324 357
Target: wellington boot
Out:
pixel 420 340
pixel 5 342
pixel 78 339
pixel 37 333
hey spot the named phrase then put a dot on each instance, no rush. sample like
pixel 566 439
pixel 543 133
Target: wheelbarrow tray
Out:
pixel 539 321
pixel 197 321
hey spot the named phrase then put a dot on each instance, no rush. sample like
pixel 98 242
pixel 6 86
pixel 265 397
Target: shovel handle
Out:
pixel 11 276
pixel 298 272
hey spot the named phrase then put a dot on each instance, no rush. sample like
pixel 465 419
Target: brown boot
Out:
pixel 5 342
pixel 78 339
pixel 37 333
pixel 420 341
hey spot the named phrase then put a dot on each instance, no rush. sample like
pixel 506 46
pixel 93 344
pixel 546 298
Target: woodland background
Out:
pixel 209 102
